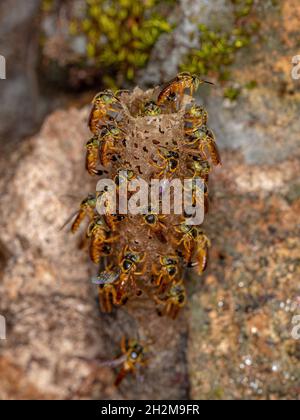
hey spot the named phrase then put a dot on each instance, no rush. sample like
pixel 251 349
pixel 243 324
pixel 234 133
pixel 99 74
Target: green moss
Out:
pixel 232 93
pixel 120 35
pixel 219 47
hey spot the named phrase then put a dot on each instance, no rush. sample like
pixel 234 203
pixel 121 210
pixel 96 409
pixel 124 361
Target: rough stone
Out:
pixel 21 106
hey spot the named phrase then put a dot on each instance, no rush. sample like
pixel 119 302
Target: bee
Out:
pixel 167 272
pixel 87 208
pixel 193 239
pixel 175 88
pixel 128 262
pixel 199 194
pixel 107 292
pixel 92 156
pixel 155 224
pixel 124 176
pixel 150 109
pixel 107 142
pixel 206 139
pixel 134 358
pixel 104 106
pixel 121 92
pixel 194 118
pixel 203 245
pixel 173 301
pixel 200 167
pixel 112 220
pixel 100 244
pixel 170 162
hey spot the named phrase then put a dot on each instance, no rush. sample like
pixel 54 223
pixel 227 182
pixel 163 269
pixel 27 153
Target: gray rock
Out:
pixel 21 108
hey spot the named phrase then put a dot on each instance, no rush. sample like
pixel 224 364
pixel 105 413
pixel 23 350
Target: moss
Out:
pixel 232 93
pixel 120 35
pixel 219 47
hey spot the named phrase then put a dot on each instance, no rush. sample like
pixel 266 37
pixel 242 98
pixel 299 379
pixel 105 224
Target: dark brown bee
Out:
pixel 173 301
pixel 173 91
pixel 167 272
pixel 104 104
pixel 100 244
pixel 170 162
pixel 128 262
pixel 206 140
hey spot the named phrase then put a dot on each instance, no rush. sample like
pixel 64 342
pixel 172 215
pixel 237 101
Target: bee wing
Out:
pixel 106 277
pixel 114 363
pixel 69 220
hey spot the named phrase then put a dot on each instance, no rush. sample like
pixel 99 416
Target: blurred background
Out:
pixel 234 339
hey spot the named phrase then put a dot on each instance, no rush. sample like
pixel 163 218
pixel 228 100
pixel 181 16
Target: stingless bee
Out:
pixel 86 209
pixel 170 162
pixel 192 237
pixel 107 142
pixel 107 291
pixel 206 140
pixel 112 220
pixel 151 109
pixel 100 242
pixel 201 254
pixel 128 263
pixel 134 357
pixel 200 167
pixel 155 223
pixel 174 300
pixel 198 194
pixel 174 89
pixel 194 118
pixel 105 106
pixel 124 176
pixel 92 156
pixel 169 269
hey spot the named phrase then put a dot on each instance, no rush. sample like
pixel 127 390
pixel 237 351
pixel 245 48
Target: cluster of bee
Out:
pixel 126 270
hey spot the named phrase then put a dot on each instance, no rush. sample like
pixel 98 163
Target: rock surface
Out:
pixel 234 340
pixel 21 107
pixel 53 321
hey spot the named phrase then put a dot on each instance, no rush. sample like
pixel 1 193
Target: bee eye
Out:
pixel 150 218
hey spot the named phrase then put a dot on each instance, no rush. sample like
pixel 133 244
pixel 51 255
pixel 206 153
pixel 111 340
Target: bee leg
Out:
pixel 124 344
pixel 112 239
pixel 101 301
pixel 123 372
